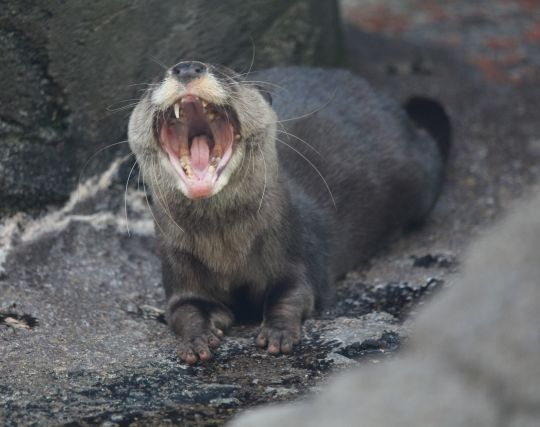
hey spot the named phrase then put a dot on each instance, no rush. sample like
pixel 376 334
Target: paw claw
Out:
pixel 197 348
pixel 213 341
pixel 217 332
pixel 278 339
pixel 188 357
pixel 204 355
pixel 261 340
pixel 273 349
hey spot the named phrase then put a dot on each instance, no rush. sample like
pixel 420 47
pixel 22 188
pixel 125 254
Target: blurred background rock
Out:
pixel 71 70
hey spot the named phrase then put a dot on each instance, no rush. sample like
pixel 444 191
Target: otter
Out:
pixel 261 201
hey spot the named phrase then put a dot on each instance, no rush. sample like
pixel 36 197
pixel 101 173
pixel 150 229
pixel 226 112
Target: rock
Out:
pixel 83 334
pixel 473 356
pixel 76 268
pixel 70 70
pixel 431 260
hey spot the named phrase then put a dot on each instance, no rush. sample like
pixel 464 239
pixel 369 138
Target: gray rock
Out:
pixel 83 338
pixel 70 70
pixel 473 358
pixel 104 362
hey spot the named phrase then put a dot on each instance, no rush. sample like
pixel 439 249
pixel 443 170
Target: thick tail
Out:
pixel 430 115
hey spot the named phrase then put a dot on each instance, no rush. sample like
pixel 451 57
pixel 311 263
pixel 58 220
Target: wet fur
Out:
pixel 271 240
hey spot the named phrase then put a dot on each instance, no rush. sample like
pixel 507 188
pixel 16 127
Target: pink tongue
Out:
pixel 200 154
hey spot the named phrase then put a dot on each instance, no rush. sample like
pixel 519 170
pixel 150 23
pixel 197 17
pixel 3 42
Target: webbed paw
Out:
pixel 279 337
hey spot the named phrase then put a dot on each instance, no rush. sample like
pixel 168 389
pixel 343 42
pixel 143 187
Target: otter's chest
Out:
pixel 239 255
pixel 221 251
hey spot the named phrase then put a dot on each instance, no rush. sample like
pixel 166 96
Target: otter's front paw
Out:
pixel 197 347
pixel 279 337
pixel 199 325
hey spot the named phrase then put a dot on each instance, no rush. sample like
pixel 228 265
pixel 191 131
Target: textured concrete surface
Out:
pixel 80 328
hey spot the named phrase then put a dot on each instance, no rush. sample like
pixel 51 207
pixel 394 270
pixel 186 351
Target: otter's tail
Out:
pixel 428 114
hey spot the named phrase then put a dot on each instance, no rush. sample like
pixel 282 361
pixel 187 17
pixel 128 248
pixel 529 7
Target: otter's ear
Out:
pixel 265 93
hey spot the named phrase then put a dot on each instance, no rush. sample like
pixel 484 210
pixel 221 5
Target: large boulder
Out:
pixel 69 69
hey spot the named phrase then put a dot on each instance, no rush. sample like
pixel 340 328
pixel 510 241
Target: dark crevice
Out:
pixel 388 342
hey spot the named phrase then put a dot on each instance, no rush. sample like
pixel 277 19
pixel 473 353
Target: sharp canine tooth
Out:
pixel 204 104
pixel 177 110
pixel 237 137
pixel 211 116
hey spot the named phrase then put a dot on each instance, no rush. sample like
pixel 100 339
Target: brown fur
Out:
pixel 269 241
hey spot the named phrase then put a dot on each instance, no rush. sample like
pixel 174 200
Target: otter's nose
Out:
pixel 186 71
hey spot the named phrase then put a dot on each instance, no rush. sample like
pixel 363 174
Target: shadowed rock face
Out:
pixel 473 358
pixel 68 67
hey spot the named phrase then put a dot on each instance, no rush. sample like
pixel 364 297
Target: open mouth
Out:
pixel 198 137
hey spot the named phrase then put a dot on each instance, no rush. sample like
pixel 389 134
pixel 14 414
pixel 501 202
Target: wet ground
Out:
pixel 82 338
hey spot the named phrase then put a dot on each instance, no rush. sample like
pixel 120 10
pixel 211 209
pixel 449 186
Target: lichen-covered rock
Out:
pixel 68 67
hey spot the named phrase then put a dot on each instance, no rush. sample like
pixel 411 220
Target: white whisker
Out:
pixel 262 83
pixel 157 61
pixel 151 211
pixel 252 55
pixel 143 84
pixel 123 108
pixel 314 167
pixel 312 112
pixel 264 188
pixel 251 155
pixel 125 197
pixel 94 155
pixel 298 138
pixel 243 158
pixel 161 200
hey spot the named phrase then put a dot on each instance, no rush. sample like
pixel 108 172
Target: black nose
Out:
pixel 186 71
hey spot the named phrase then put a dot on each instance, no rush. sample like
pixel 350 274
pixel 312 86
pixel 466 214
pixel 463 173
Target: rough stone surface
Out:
pixel 81 335
pixel 472 359
pixel 71 70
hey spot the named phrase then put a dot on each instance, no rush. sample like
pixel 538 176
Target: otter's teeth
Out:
pixel 177 110
pixel 237 137
pixel 204 104
pixel 218 151
pixel 211 116
pixel 186 165
pixel 214 162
